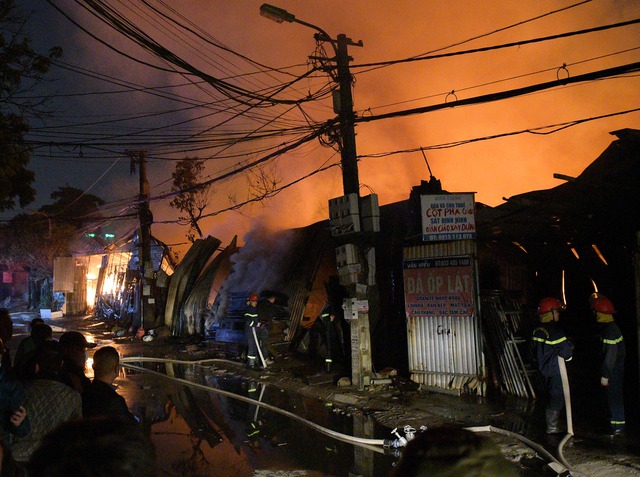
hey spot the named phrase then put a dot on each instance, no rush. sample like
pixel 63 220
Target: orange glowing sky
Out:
pixel 395 30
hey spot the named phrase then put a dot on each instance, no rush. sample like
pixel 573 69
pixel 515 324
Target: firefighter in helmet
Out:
pixel 613 355
pixel 550 343
pixel 250 323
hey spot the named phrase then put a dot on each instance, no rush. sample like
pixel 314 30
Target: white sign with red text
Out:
pixel 448 217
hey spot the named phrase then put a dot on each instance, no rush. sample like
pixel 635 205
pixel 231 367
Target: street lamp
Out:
pixel 346 115
pixel 280 15
pixel 276 14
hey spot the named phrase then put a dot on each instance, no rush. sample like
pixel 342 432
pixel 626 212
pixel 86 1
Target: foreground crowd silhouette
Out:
pixel 58 422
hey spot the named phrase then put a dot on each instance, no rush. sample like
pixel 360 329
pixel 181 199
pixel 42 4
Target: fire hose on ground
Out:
pixel 560 466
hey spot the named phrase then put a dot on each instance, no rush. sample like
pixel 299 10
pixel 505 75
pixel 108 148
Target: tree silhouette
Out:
pixel 21 69
pixel 191 199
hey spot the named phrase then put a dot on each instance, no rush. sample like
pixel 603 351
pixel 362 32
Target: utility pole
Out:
pixel 356 260
pixel 349 158
pixel 357 306
pixel 145 266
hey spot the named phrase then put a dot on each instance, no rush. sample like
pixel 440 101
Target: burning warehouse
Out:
pixel 103 280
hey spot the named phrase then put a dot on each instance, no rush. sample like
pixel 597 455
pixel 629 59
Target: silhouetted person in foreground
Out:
pixel 27 346
pixel 95 447
pixel 24 364
pixel 13 416
pixel 6 333
pixel 49 402
pixel 449 451
pixel 74 360
pixel 101 398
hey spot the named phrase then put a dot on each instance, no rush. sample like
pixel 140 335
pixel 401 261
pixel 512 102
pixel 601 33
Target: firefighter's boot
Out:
pixel 327 364
pixel 251 363
pixel 553 418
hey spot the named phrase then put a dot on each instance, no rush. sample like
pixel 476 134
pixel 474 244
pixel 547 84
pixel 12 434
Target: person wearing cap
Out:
pixel 613 356
pixel 74 345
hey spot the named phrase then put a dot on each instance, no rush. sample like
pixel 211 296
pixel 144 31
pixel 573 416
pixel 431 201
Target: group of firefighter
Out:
pixel 553 349
pixel 327 329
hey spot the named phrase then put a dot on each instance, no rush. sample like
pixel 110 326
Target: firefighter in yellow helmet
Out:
pixel 550 342
pixel 613 355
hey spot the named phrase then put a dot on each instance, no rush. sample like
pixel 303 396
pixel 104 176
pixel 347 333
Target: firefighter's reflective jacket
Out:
pixel 550 342
pixel 251 317
pixel 613 348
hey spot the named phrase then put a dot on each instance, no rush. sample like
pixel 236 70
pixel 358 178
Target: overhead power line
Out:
pixel 118 22
pixel 615 71
pixel 320 131
pixel 498 47
pixel 542 130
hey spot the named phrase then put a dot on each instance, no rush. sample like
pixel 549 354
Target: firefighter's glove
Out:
pixel 604 381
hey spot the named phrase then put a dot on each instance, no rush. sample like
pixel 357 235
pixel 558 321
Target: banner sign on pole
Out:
pixel 448 217
pixel 439 287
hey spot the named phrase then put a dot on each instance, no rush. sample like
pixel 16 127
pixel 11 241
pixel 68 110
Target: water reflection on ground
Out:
pixel 203 433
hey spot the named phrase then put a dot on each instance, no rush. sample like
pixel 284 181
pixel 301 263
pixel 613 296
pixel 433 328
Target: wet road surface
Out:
pixel 200 432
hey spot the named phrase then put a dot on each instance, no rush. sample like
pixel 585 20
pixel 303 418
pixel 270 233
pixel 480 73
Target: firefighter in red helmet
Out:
pixel 250 323
pixel 613 355
pixel 550 342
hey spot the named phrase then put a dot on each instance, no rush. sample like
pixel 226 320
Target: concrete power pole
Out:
pixel 145 266
pixel 356 307
pixel 349 158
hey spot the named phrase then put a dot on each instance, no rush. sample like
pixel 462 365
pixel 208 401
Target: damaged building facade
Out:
pixel 566 242
pixel 104 280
